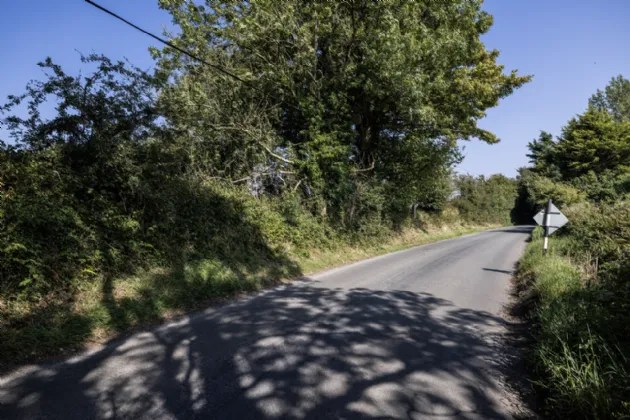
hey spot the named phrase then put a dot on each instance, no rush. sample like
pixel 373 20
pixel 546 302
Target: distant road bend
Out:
pixel 410 335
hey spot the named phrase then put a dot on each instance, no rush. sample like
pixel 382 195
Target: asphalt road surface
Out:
pixel 413 335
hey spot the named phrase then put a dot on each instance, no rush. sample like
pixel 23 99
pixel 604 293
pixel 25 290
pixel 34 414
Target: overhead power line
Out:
pixel 189 54
pixel 170 44
pixel 194 57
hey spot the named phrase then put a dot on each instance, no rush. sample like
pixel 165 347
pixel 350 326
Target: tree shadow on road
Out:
pixel 296 352
pixel 516 229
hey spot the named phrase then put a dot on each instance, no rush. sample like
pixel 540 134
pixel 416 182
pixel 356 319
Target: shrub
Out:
pixel 581 319
pixel 606 187
pixel 541 189
pixel 482 200
pixel 604 234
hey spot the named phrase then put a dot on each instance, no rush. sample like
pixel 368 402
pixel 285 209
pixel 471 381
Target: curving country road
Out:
pixel 412 335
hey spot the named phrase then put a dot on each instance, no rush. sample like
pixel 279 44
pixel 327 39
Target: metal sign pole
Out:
pixel 546 226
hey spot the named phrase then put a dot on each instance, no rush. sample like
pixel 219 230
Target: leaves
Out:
pixel 594 142
pixel 614 99
pixel 342 86
pixel 482 200
pixel 347 111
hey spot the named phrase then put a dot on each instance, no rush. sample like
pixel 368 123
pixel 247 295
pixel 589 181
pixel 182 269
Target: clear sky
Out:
pixel 572 47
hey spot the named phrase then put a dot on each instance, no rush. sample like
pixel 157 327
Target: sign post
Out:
pixel 551 219
pixel 547 220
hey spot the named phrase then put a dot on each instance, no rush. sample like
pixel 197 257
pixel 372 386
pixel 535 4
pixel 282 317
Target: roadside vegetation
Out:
pixel 581 289
pixel 330 134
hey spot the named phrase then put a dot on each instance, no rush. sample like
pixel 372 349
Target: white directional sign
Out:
pixel 555 220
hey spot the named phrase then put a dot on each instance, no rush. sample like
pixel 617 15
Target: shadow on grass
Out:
pixel 209 250
pixel 51 330
pixel 295 352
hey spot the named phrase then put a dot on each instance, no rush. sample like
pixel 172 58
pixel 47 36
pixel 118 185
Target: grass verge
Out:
pixel 580 329
pixel 320 260
pixel 108 307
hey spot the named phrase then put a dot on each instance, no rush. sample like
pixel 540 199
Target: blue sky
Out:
pixel 572 47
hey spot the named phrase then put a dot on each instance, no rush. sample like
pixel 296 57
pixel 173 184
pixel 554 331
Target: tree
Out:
pixel 614 99
pixel 484 200
pixel 542 155
pixel 593 141
pixel 334 93
pixel 608 186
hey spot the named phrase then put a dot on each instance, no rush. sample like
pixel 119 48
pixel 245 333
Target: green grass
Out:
pixel 320 260
pixel 580 329
pixel 586 381
pixel 104 308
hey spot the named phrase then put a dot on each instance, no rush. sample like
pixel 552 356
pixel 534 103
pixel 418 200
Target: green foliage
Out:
pixel 608 186
pixel 614 99
pixel 593 152
pixel 538 189
pixel 582 313
pixel 70 185
pixel 593 141
pixel 348 97
pixel 582 286
pixel 482 200
pixel 604 232
pixel 590 161
pixel 98 190
pixel 542 156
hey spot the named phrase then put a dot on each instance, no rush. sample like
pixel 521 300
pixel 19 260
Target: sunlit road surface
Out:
pixel 412 335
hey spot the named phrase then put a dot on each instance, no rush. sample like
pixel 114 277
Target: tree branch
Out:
pixel 365 169
pixel 249 132
pixel 297 185
pixel 275 155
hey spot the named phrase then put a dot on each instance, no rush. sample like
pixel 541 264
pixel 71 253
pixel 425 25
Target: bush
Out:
pixel 541 189
pixel 535 190
pixel 606 187
pixel 581 317
pixel 482 200
pixel 604 234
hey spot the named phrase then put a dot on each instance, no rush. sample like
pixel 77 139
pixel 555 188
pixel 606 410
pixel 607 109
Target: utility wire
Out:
pixel 189 54
pixel 181 50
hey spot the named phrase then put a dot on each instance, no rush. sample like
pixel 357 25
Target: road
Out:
pixel 415 334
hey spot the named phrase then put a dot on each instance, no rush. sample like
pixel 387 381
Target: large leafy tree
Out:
pixel 332 94
pixel 614 99
pixel 590 160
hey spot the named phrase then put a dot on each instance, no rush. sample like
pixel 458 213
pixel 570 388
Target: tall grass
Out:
pixel 580 332
pixel 586 381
